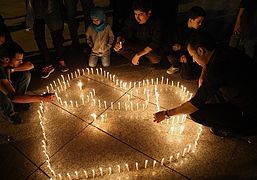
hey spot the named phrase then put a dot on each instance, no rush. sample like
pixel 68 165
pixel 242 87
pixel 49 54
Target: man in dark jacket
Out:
pixel 141 35
pixel 227 98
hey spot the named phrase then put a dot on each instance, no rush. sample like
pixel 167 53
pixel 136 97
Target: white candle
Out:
pixel 136 166
pixel 62 78
pixel 167 81
pixel 97 71
pixel 93 91
pixel 78 72
pixel 105 106
pixel 47 89
pixel 146 161
pixel 92 70
pixel 162 80
pixel 69 77
pixel 83 71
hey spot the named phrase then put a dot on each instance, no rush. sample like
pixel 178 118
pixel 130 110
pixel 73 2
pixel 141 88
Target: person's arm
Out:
pixel 138 55
pixel 9 91
pixel 238 20
pixel 88 37
pixel 26 66
pixel 111 37
pixel 186 108
pixel 201 78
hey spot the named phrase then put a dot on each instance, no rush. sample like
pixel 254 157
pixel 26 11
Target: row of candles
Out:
pixel 125 168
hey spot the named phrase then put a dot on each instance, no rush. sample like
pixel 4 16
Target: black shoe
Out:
pixel 15 119
pixel 220 133
pixel 21 107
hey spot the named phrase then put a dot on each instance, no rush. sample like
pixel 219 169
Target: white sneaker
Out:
pixel 172 70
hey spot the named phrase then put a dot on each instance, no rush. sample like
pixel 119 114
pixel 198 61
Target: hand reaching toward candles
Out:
pixel 160 116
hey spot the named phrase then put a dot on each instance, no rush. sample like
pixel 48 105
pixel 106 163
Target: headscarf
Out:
pixel 99 14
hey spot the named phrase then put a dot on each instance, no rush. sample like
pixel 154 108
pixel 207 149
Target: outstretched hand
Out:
pixel 48 97
pixel 159 116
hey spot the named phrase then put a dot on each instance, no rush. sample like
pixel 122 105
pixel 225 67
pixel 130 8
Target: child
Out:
pixel 100 38
pixel 180 59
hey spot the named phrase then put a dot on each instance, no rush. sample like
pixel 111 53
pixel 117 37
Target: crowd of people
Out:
pixel 148 31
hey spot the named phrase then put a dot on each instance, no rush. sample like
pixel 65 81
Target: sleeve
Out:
pixel 89 37
pixel 111 36
pixel 156 37
pixel 2 74
pixel 215 78
pixel 127 29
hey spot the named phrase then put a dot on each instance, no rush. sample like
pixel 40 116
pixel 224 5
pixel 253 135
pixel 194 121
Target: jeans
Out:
pixel 93 59
pixel 56 35
pixel 71 13
pixel 20 82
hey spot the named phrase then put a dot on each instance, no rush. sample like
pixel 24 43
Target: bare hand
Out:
pixel 237 28
pixel 176 47
pixel 159 116
pixel 118 46
pixel 48 97
pixel 183 59
pixel 135 60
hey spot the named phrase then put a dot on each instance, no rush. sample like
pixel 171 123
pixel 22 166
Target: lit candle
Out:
pixel 110 170
pixel 92 70
pixel 162 80
pixel 71 75
pixel 105 106
pixel 65 103
pixel 137 107
pixel 107 75
pixel 76 75
pixel 99 103
pixel 68 83
pixel 178 84
pixel 130 84
pixel 111 105
pixel 143 82
pixel 101 171
pixel 54 83
pixel 83 102
pixel 87 71
pixel 85 172
pixel 146 161
pixel 71 103
pixel 47 89
pixel 139 84
pixel 162 161
pixel 83 72
pixel 76 102
pixel 127 167
pixel 52 87
pixel 118 168
pixel 136 166
pixel 101 70
pixel 152 81
pixel 80 84
pixel 96 71
pixel 119 105
pixel 93 172
pixel 131 105
pixel 167 81
pixel 156 80
pixel 147 82
pixel 154 163
pixel 77 175
pixel 104 73
pixel 94 102
pixel 91 94
pixel 62 78
pixel 171 83
pixel 78 71
pixel 171 158
pixel 69 176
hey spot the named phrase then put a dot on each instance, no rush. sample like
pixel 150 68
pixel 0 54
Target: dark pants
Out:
pixel 57 38
pixel 71 13
pixel 129 50
pixel 20 82
pixel 224 117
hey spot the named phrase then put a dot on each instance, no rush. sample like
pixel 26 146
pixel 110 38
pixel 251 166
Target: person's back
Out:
pixel 235 75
